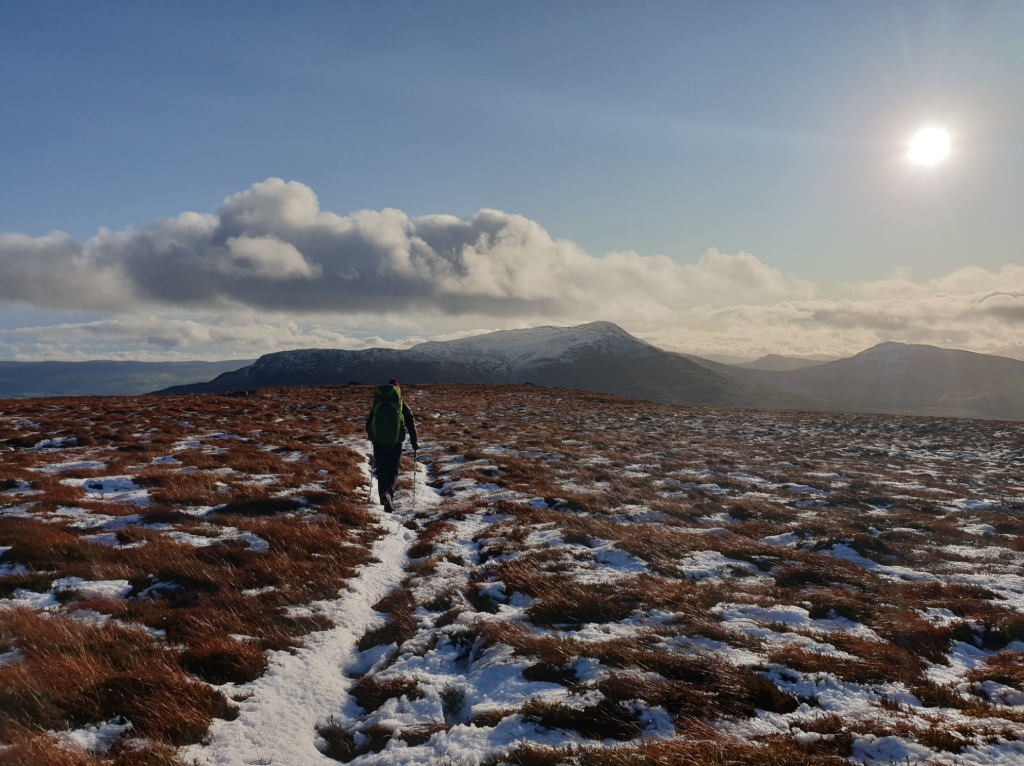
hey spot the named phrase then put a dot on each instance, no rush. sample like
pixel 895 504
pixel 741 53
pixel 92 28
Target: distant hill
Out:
pixel 725 358
pixel 599 357
pixel 20 380
pixel 785 363
pixel 906 379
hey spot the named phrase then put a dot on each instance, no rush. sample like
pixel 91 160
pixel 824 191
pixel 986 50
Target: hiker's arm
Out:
pixel 410 425
pixel 369 419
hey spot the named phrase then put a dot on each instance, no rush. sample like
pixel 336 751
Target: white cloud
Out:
pixel 264 257
pixel 272 248
pixel 269 270
pixel 56 272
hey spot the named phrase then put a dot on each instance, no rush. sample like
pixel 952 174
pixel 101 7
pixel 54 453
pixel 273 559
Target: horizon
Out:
pixel 718 358
pixel 204 184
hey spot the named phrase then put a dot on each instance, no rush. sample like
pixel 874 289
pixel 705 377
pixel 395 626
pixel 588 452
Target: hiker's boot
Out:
pixel 387 504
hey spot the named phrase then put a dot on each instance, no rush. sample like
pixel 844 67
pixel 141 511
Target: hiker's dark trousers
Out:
pixel 386 457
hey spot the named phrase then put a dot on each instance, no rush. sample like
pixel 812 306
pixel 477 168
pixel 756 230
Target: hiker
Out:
pixel 386 427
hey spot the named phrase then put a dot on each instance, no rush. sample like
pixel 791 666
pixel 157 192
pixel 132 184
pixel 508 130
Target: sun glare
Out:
pixel 929 146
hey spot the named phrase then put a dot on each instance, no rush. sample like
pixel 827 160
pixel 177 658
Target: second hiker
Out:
pixel 386 426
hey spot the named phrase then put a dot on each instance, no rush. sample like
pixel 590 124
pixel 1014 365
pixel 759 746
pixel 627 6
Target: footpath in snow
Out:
pixel 281 709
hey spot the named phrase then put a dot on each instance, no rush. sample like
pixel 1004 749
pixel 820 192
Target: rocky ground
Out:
pixel 568 578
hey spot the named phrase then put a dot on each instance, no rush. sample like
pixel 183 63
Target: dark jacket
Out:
pixel 410 424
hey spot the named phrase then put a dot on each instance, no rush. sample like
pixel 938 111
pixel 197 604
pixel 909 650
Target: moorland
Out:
pixel 569 577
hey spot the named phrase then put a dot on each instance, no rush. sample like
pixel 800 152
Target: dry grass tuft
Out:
pixel 370 694
pixel 399 606
pixel 708 750
pixel 606 719
pixel 341 742
pixel 74 674
pixel 47 750
pixel 1006 668
pixel 223 660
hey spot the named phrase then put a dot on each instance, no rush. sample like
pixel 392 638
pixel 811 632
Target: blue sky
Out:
pixel 776 129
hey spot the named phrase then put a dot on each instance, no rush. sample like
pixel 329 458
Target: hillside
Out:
pixel 600 357
pixel 907 379
pixel 20 380
pixel 782 363
pixel 567 579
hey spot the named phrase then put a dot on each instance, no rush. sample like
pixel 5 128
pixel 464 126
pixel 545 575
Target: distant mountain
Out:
pixel 598 357
pixel 889 378
pixel 784 363
pixel 724 358
pixel 907 379
pixel 20 380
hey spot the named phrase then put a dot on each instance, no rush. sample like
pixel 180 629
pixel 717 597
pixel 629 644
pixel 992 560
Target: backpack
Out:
pixel 387 424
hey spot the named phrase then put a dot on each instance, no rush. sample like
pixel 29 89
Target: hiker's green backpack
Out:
pixel 386 426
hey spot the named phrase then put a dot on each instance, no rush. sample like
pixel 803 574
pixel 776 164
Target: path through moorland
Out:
pixel 581 575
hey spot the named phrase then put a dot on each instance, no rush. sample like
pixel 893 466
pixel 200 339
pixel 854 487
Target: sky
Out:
pixel 221 180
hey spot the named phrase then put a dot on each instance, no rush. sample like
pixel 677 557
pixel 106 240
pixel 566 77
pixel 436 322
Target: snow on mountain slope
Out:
pixel 515 351
pixel 496 357
pixel 599 356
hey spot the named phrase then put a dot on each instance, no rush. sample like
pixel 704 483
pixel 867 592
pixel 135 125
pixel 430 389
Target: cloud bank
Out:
pixel 270 270
pixel 272 248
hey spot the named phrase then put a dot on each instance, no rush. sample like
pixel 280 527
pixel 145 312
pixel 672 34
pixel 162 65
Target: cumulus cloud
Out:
pixel 56 272
pixel 271 247
pixel 940 312
pixel 270 270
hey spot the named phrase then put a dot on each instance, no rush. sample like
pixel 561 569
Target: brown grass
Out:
pixel 176 488
pixel 42 546
pixel 725 688
pixel 606 719
pixel 399 606
pixel 562 600
pixel 46 750
pixel 341 743
pixel 313 552
pixel 221 660
pixel 1005 668
pixel 74 674
pixel 370 694
pixel 705 749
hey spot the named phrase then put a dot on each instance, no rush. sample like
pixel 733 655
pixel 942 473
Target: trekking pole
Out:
pixel 369 489
pixel 415 463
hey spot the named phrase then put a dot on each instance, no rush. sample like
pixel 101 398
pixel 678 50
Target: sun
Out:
pixel 929 146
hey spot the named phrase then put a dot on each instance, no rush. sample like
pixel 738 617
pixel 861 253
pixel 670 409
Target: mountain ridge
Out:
pixel 890 378
pixel 599 356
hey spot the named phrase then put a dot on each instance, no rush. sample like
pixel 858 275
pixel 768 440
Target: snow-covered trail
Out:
pixel 277 721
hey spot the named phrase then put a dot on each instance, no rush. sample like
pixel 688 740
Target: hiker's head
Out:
pixel 394 382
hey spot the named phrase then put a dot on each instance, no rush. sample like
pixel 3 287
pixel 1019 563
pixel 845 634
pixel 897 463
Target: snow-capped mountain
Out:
pixel 602 357
pixel 515 351
pixel 599 356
